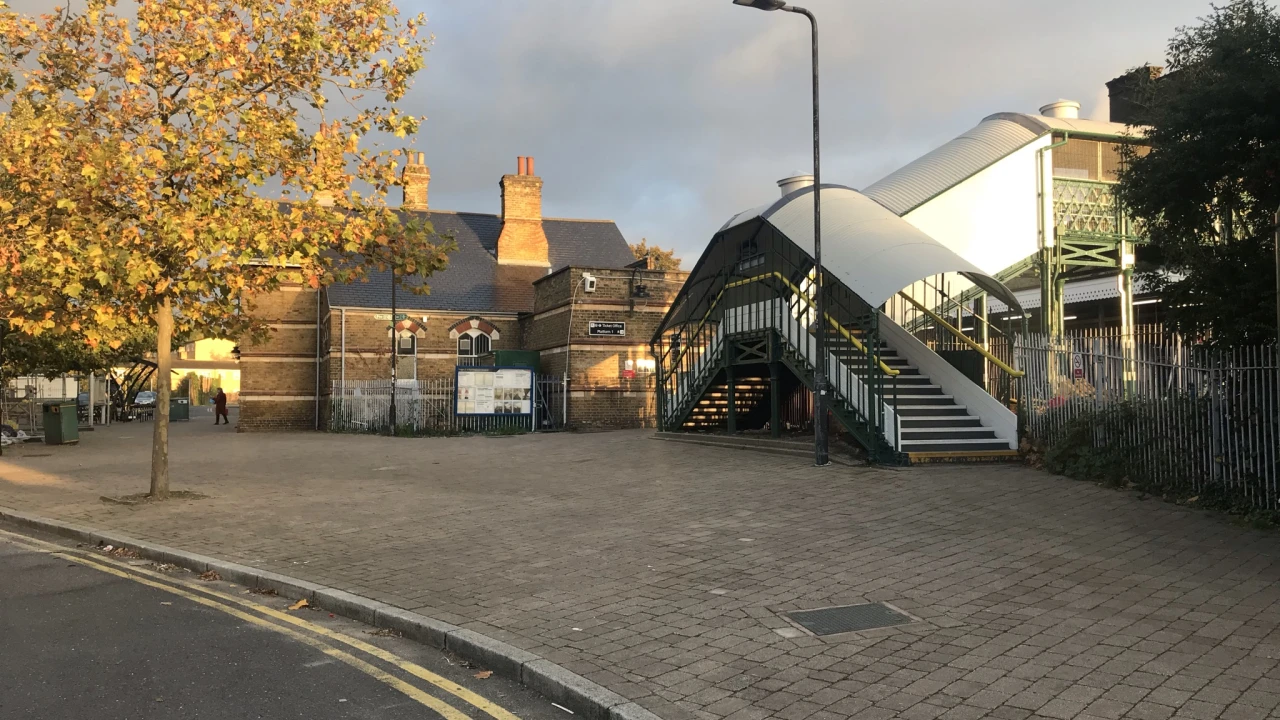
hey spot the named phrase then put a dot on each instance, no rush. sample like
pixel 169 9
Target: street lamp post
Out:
pixel 395 350
pixel 820 454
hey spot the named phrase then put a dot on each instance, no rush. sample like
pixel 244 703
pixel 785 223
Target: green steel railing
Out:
pixel 772 294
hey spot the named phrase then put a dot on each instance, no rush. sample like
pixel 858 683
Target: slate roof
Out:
pixel 475 282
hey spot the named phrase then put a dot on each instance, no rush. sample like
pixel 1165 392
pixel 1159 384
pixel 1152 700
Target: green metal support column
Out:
pixel 1127 320
pixel 1059 307
pixel 732 416
pixel 982 335
pixel 775 402
pixel 1047 304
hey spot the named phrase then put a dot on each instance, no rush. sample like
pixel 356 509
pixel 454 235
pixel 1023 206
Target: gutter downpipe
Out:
pixel 344 350
pixel 1044 195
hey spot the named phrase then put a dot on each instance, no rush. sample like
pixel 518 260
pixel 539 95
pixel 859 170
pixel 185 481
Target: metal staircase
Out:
pixel 894 395
pixel 931 422
pixel 711 411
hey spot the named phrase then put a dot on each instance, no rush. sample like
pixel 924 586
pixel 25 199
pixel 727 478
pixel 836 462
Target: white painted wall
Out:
pixel 990 219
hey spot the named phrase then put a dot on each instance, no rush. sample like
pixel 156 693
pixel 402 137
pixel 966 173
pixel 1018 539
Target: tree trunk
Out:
pixel 160 438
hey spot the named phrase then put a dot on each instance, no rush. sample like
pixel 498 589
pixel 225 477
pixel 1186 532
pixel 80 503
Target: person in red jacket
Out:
pixel 220 407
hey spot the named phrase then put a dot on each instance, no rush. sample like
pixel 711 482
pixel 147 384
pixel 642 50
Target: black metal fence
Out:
pixel 1161 414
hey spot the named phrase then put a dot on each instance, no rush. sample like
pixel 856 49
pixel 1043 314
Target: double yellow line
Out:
pixel 321 638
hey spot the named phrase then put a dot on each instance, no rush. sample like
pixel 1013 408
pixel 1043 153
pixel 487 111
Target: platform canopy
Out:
pixel 868 248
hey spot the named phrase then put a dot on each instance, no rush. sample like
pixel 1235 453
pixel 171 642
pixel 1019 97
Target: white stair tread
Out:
pixel 954 440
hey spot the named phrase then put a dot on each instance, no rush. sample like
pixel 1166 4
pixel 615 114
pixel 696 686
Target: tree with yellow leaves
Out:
pixel 659 259
pixel 163 165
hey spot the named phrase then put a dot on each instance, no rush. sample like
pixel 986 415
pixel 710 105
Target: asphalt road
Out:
pixel 88 634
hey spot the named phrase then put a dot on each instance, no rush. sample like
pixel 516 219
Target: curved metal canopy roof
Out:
pixel 996 137
pixel 864 245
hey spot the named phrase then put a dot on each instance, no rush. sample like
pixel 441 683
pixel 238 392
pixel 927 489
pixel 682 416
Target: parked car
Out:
pixel 146 398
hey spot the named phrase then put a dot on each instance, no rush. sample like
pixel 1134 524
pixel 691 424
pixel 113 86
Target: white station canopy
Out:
pixel 868 248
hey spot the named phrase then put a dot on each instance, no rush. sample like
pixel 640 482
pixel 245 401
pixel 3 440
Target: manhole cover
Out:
pixel 848 618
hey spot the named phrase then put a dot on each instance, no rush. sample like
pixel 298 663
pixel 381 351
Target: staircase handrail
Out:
pixel 962 337
pixel 797 292
pixel 948 301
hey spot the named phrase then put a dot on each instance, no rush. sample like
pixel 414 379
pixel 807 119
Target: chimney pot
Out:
pixel 528 166
pixel 520 165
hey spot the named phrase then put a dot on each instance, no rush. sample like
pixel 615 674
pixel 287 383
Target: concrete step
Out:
pixel 964 456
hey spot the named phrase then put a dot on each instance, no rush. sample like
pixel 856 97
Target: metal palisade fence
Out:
pixel 426 407
pixel 1201 421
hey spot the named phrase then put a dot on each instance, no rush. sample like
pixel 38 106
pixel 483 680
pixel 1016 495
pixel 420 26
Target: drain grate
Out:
pixel 849 618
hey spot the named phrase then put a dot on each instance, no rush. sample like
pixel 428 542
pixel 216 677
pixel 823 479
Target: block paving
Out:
pixel 659 569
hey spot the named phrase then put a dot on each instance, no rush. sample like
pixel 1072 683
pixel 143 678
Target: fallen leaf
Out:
pixel 483 674
pixel 300 604
pixel 210 576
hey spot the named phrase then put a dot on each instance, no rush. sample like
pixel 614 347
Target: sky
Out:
pixel 670 116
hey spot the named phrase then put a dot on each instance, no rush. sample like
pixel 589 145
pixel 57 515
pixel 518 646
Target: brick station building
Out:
pixel 517 281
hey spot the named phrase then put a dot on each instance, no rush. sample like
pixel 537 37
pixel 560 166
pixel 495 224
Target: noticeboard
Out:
pixel 493 391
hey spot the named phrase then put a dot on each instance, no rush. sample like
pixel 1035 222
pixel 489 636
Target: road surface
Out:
pixel 86 633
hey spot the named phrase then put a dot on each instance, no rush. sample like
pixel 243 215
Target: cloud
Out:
pixel 669 116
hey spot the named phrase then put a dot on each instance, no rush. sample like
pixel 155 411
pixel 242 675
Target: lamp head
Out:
pixel 762 4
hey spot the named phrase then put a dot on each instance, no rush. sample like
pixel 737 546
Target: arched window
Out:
pixel 473 343
pixel 475 337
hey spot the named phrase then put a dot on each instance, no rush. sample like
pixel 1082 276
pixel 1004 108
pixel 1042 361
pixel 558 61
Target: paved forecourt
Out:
pixel 660 570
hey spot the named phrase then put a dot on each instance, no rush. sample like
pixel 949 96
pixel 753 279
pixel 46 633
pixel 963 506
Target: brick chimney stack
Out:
pixel 415 178
pixel 522 241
